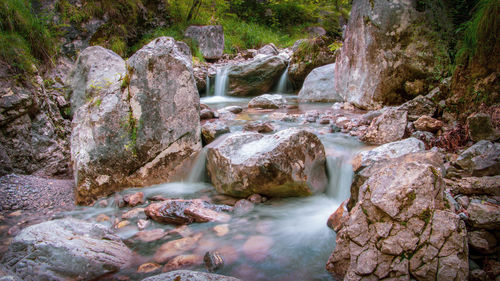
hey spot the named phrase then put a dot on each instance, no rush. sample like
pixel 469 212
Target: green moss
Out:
pixel 411 196
pixel 426 216
pixel 25 39
pixel 480 33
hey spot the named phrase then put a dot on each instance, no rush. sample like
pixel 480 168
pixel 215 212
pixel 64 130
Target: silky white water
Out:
pixel 221 81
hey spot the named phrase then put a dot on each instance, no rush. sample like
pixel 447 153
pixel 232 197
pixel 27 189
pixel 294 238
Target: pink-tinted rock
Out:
pixel 149 267
pixel 181 262
pixel 175 248
pixel 337 219
pixel 180 211
pixel 134 199
pixel 428 124
pixel 150 235
pixel 257 247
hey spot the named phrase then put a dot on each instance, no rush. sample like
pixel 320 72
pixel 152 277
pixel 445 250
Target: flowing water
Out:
pixel 221 81
pixel 281 239
pixel 284 84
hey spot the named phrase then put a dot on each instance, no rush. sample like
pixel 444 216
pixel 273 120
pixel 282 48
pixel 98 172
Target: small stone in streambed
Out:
pixel 180 211
pixel 134 213
pixel 206 114
pixel 122 224
pixel 149 267
pixel 143 224
pixel 118 201
pixel 134 199
pixel 255 198
pixel 243 207
pixel 259 126
pixel 224 199
pixel 257 247
pixel 150 235
pixel 337 219
pixel 175 248
pixel 182 261
pixel 213 261
pixel 221 229
pixel 102 218
pixel 183 231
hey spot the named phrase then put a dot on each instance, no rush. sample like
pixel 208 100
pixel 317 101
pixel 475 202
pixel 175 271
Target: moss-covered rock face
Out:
pixel 308 54
pixel 391 48
pixel 139 129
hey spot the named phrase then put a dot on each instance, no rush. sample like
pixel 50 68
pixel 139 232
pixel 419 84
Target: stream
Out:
pixel 280 239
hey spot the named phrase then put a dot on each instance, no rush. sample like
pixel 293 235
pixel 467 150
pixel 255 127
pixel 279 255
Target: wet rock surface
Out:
pixel 256 76
pixel 268 101
pixel 274 165
pixel 91 248
pixel 186 275
pixel 211 130
pixel 179 211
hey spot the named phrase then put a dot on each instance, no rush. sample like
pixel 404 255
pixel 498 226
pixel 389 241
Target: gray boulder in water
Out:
pixel 66 249
pixel 288 163
pixel 319 86
pixel 256 76
pixel 139 130
pixel 210 39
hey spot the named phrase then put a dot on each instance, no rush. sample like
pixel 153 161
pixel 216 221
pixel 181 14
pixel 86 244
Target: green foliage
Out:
pixel 24 38
pixel 480 34
pixel 240 35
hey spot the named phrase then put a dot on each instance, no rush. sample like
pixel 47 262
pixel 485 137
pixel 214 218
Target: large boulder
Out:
pixel 390 47
pixel 390 126
pixel 418 106
pixel 319 86
pixel 308 54
pixel 256 76
pixel 138 131
pixel 66 249
pixel 481 159
pixel 187 275
pixel 288 163
pixel 480 127
pixel 210 39
pixel 398 225
pixel 96 70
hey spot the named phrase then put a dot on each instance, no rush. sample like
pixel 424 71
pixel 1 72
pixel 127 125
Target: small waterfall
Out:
pixel 197 173
pixel 340 177
pixel 221 81
pixel 207 89
pixel 284 83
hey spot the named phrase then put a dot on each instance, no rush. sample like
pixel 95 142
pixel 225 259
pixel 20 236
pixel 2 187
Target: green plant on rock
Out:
pixel 481 33
pixel 25 40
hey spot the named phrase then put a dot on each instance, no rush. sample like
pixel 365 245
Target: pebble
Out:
pixel 221 229
pixel 149 267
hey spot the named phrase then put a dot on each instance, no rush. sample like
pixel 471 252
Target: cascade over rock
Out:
pixel 319 86
pixel 288 163
pixel 137 131
pixel 390 47
pixel 65 248
pixel 399 224
pixel 256 76
pixel 210 39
